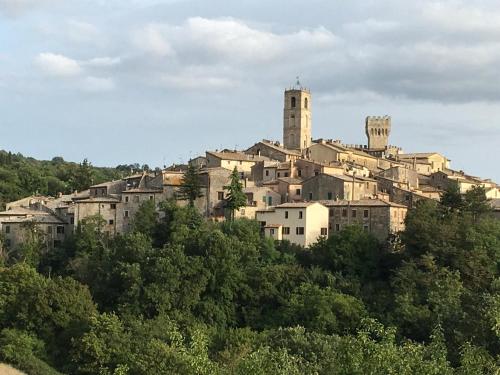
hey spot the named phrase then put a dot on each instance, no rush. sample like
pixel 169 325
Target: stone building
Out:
pixel 300 223
pixel 230 160
pixel 376 216
pixel 273 150
pixel 428 161
pixel 329 187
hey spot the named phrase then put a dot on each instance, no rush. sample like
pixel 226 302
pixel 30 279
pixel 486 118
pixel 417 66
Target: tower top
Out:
pixel 297 86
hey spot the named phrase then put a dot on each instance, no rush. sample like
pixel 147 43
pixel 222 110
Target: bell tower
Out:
pixel 297 118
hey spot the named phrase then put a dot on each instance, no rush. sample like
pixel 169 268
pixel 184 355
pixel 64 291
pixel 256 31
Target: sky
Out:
pixel 161 81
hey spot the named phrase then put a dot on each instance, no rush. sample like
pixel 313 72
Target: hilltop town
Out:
pixel 298 189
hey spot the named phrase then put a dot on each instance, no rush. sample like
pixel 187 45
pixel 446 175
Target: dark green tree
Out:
pixel 83 176
pixel 235 196
pixel 190 188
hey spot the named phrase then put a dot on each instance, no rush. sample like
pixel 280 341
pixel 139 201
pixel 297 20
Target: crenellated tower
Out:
pixel 378 129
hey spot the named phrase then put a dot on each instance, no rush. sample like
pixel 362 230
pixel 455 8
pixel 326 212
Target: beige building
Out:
pixel 428 161
pixel 273 150
pixel 230 160
pixel 378 129
pixel 300 223
pixel 375 216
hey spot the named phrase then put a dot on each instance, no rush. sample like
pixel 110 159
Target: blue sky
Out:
pixel 161 81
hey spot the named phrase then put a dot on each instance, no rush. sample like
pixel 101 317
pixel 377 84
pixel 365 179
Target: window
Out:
pixel 299 172
pixel 72 220
pixel 330 195
pixel 126 199
pixel 241 162
pixel 136 198
pixel 220 195
pixel 242 211
pixel 125 213
pixel 297 191
pixel 286 214
pixel 337 227
pixel 293 102
pixel 344 212
pixel 366 227
pixel 151 197
pixel 306 103
pixel 354 213
pixel 300 214
pixel 267 173
pixel 324 231
pixel 60 229
pixel 279 174
pixel 113 206
pixel 57 243
pixel 310 196
pixel 269 201
pixel 272 232
pixel 49 229
pixel 286 230
pixel 299 231
pixel 8 242
pixel 111 222
pixel 330 212
pixel 365 213
pixel 286 174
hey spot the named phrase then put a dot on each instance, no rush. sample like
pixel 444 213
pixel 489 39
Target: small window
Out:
pixel 111 222
pixel 301 214
pixel 299 172
pixel 324 231
pixel 286 214
pixel 306 103
pixel 297 191
pixel 49 229
pixel 293 102
pixel 220 195
pixel 310 196
pixel 286 174
pixel 126 213
pixel 72 220
pixel 344 212
pixel 354 213
pixel 330 195
pixel 337 227
pixel 126 199
pixel 272 232
pixel 267 173
pixel 330 212
pixel 279 174
pixel 60 229
pixel 136 198
pixel 299 231
pixel 286 230
pixel 365 213
pixel 113 206
pixel 366 227
pixel 151 197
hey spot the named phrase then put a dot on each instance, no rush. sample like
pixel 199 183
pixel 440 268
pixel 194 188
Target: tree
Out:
pixel 235 197
pixel 146 218
pixel 190 188
pixel 83 176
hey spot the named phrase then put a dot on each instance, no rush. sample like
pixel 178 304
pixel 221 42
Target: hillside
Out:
pixel 21 176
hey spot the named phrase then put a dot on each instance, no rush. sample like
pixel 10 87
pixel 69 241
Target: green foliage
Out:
pixel 21 176
pixel 190 188
pixel 180 295
pixel 235 196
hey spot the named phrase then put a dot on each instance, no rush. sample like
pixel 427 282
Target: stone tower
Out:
pixel 297 118
pixel 378 129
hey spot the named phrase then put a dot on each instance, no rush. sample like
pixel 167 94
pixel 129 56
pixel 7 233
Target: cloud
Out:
pixel 103 61
pixel 188 81
pixel 97 84
pixel 152 40
pixel 17 7
pixel 82 32
pixel 57 65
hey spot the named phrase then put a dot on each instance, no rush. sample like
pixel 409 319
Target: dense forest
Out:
pixel 180 295
pixel 22 176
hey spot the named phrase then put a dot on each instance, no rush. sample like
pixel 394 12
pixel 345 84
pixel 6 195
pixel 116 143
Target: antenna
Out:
pixel 298 81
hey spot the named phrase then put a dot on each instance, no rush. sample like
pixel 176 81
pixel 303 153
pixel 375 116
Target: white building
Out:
pixel 300 223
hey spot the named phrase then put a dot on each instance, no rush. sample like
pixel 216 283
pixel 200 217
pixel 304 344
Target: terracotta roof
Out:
pixel 142 190
pixel 107 199
pixel 280 148
pixel 296 205
pixel 237 156
pixel 291 180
